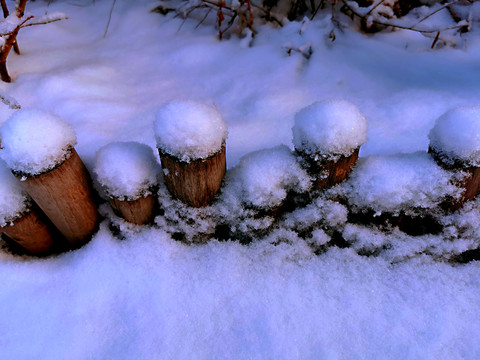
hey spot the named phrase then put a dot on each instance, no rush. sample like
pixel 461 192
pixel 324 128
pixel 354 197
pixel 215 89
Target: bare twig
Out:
pixel 374 7
pixel 396 26
pixel 43 22
pixel 435 40
pixel 204 18
pixel 321 4
pixel 436 11
pixel 109 18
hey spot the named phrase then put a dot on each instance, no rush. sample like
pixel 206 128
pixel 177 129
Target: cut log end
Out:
pixel 66 196
pixel 139 212
pixel 196 183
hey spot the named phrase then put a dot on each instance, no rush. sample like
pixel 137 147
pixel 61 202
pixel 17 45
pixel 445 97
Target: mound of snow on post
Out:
pixel 189 130
pixel 126 170
pixel 397 183
pixel 329 129
pixel 13 199
pixel 456 136
pixel 268 175
pixel 35 141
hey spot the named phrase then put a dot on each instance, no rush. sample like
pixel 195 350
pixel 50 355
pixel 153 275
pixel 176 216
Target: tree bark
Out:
pixel 138 212
pixel 31 231
pixel 471 183
pixel 330 173
pixel 197 182
pixel 66 196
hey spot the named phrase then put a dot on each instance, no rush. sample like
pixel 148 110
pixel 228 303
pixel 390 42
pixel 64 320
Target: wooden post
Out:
pixel 197 182
pixel 139 211
pixel 66 196
pixel 32 231
pixel 328 173
pixel 471 183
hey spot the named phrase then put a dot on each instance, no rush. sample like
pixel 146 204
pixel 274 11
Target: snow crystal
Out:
pixel 189 130
pixel 329 128
pixel 13 199
pixel 35 141
pixel 456 136
pixel 126 169
pixel 267 176
pixel 398 183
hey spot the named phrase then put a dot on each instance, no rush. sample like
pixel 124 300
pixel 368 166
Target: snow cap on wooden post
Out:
pixel 191 141
pixel 268 176
pixel 455 145
pixel 328 134
pixel 19 220
pixel 39 149
pixel 128 171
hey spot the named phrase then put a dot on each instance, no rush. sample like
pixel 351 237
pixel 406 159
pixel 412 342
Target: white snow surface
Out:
pixel 35 141
pixel 126 170
pixel 456 135
pixel 13 199
pixel 291 293
pixel 329 128
pixel 268 175
pixel 396 183
pixel 189 130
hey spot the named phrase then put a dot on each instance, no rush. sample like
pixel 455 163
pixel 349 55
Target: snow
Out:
pixel 126 170
pixel 306 283
pixel 189 130
pixel 13 199
pixel 456 136
pixel 268 175
pixel 396 183
pixel 329 129
pixel 35 141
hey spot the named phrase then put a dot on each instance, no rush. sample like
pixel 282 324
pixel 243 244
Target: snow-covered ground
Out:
pixel 137 293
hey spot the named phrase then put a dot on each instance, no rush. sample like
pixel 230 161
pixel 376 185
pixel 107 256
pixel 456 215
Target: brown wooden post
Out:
pixel 196 182
pixel 139 211
pixel 66 196
pixel 328 173
pixel 471 182
pixel 32 231
pixel 455 147
pixel 328 135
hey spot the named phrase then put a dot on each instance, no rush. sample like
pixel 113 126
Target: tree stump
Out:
pixel 66 196
pixel 196 182
pixel 328 173
pixel 31 231
pixel 139 211
pixel 471 183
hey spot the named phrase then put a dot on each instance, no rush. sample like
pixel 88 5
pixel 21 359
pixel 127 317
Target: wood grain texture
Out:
pixel 66 196
pixel 196 183
pixel 471 183
pixel 330 173
pixel 31 232
pixel 139 212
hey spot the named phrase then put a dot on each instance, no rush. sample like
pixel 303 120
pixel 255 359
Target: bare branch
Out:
pixel 436 11
pixel 45 20
pixel 411 28
pixel 109 18
pixel 374 7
